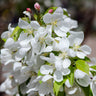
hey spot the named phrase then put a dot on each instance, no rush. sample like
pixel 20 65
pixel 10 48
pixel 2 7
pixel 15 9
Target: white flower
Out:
pixel 9 86
pixel 30 28
pixel 78 51
pixel 82 78
pixel 7 34
pixel 74 90
pixel 61 24
pixel 43 89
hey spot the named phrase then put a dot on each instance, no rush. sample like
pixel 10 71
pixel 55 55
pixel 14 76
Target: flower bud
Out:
pixel 29 10
pixel 37 6
pixel 11 76
pixel 50 11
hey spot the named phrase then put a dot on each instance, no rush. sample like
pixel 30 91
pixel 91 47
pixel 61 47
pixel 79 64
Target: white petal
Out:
pixel 72 53
pixel 69 23
pixel 47 18
pixel 86 49
pixel 81 55
pixel 67 83
pixel 59 32
pixel 58 76
pixel 9 43
pixel 59 10
pixel 16 66
pixel 74 35
pixel 46 69
pixel 28 14
pixel 65 72
pixel 47 49
pixel 66 63
pixel 79 74
pixel 23 24
pixel 5 35
pixel 35 24
pixel 77 41
pixel 85 81
pixel 64 44
pixel 72 91
pixel 58 64
pixel 49 29
pixel 62 27
pixel 46 77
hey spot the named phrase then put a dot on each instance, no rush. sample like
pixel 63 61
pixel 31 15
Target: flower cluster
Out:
pixel 45 57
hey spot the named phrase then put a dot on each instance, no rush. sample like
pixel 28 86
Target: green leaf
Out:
pixel 83 66
pixel 16 33
pixel 93 73
pixel 86 90
pixel 90 93
pixel 87 59
pixel 57 86
pixel 39 73
pixel 35 16
pixel 4 39
pixel 66 13
pixel 93 67
pixel 71 78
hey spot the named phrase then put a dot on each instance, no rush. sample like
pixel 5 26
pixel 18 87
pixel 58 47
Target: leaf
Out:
pixel 83 66
pixel 93 67
pixel 93 73
pixel 39 73
pixel 86 90
pixel 71 78
pixel 16 33
pixel 90 93
pixel 57 86
pixel 87 59
pixel 66 13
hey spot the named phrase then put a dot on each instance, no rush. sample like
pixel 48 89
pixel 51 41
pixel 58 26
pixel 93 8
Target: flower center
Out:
pixel 64 55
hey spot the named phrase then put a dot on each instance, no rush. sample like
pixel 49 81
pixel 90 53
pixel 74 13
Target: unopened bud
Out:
pixel 50 11
pixel 37 6
pixel 29 10
pixel 11 76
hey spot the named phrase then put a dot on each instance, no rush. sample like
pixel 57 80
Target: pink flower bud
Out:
pixel 50 11
pixel 29 10
pixel 37 6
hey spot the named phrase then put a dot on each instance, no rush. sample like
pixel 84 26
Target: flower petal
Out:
pixel 86 49
pixel 66 63
pixel 23 24
pixel 65 71
pixel 79 74
pixel 58 76
pixel 46 69
pixel 46 77
pixel 85 81
pixel 35 24
pixel 81 55
pixel 47 18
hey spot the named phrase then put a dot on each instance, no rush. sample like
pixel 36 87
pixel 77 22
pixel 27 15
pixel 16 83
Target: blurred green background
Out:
pixel 84 11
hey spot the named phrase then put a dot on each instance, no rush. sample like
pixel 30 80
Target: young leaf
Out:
pixel 86 90
pixel 16 33
pixel 71 78
pixel 93 67
pixel 57 86
pixel 83 66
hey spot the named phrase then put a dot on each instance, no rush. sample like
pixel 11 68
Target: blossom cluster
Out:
pixel 45 57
